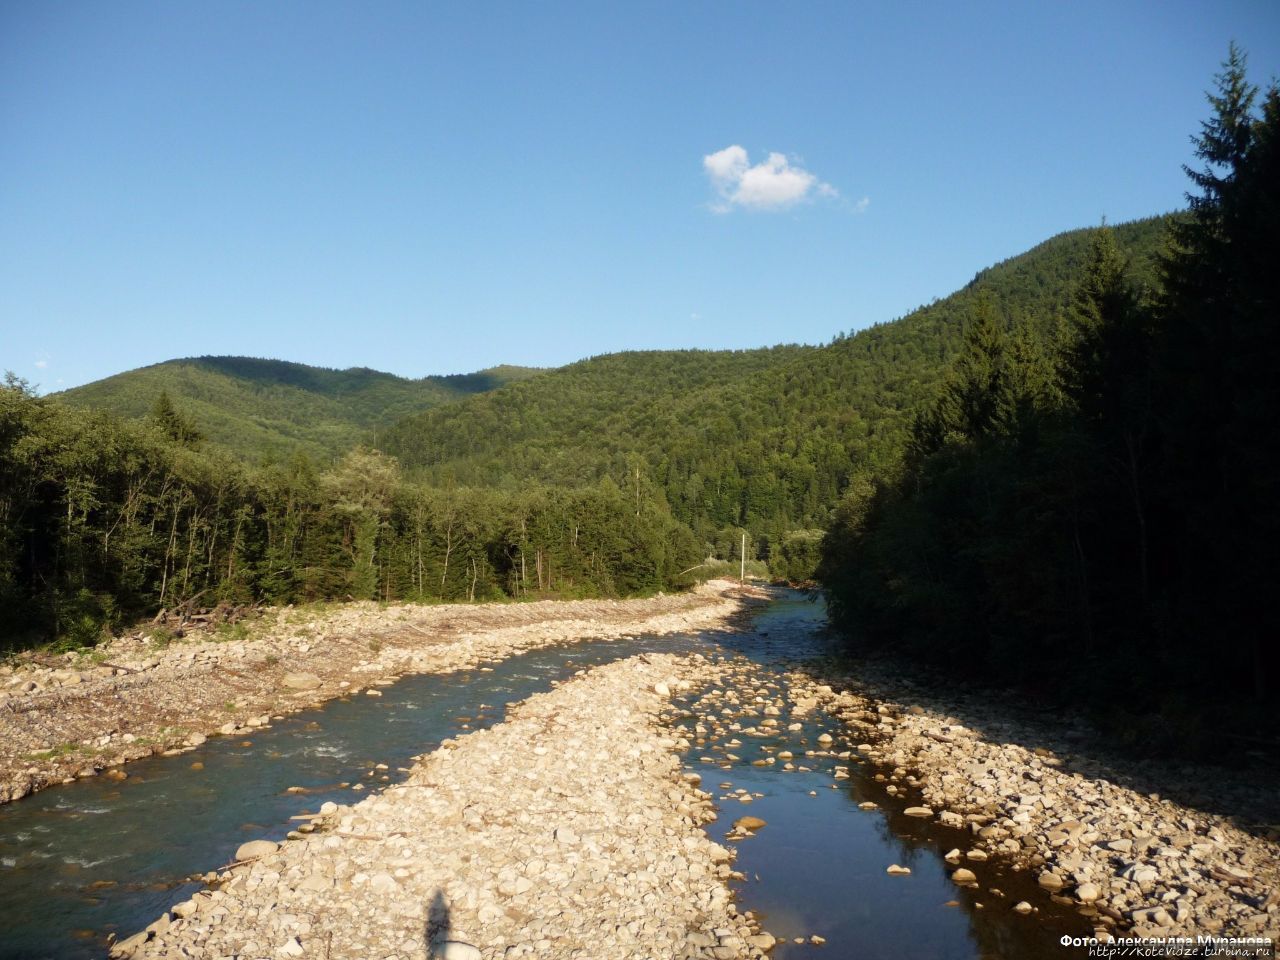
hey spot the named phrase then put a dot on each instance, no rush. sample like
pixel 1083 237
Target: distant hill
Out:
pixel 767 439
pixel 577 422
pixel 269 408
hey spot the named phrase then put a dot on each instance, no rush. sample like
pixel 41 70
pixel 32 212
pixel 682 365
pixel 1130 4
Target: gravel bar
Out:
pixel 567 831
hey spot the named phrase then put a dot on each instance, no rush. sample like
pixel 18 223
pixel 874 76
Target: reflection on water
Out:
pixel 80 861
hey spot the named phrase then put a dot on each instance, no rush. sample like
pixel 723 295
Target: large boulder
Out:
pixel 299 681
pixel 256 848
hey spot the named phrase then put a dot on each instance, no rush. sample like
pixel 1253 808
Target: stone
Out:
pixel 256 848
pixel 1088 892
pixel 454 950
pixel 291 948
pixel 300 681
pixel 1050 880
pixel 748 823
pixel 963 875
pixel 897 871
pixel 383 883
pixel 129 946
pixel 1022 907
pixel 918 812
pixel 186 908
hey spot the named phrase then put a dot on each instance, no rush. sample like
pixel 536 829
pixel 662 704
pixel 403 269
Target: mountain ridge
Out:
pixel 263 408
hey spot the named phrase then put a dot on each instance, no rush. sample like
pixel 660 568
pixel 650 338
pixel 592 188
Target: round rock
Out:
pixel 256 848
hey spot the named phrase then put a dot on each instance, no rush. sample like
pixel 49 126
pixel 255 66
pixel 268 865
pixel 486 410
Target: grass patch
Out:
pixel 231 632
pixel 161 637
pixel 58 752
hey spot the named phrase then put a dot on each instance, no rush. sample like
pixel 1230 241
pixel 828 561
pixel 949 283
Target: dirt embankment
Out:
pixel 147 693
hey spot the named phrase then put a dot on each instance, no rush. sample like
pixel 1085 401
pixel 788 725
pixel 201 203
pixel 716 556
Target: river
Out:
pixel 94 857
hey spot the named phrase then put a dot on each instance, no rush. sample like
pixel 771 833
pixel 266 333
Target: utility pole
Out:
pixel 742 569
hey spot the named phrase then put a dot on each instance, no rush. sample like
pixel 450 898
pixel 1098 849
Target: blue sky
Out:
pixel 435 188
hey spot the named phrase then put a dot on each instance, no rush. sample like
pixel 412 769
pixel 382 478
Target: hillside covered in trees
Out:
pixel 270 409
pixel 1099 521
pixel 761 440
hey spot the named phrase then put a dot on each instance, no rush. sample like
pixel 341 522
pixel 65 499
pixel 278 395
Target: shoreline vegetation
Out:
pixel 1094 522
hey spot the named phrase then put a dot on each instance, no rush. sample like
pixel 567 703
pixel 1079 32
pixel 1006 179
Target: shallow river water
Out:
pixel 83 860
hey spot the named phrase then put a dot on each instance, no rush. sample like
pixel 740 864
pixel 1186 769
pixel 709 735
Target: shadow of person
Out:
pixel 438 933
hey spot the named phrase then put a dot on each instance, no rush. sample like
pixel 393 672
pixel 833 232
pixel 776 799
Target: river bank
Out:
pixel 1101 836
pixel 567 831
pixel 147 693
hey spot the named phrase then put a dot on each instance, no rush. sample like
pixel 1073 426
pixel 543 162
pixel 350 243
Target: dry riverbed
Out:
pixel 149 693
pixel 1133 862
pixel 567 831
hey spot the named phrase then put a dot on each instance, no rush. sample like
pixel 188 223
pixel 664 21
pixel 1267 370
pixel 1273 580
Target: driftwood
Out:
pixel 187 612
pixel 1231 879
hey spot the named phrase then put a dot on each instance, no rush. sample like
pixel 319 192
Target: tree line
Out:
pixel 1094 516
pixel 103 520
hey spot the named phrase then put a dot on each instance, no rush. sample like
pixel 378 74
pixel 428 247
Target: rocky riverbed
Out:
pixel 567 831
pixel 150 692
pixel 1131 861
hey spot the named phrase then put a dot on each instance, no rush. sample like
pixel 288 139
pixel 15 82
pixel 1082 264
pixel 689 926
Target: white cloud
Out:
pixel 774 184
pixel 861 205
pixel 41 364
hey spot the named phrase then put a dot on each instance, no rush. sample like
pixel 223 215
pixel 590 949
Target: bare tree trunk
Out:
pixel 168 555
pixel 448 549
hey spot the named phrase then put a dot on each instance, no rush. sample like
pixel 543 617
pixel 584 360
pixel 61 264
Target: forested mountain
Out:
pixel 271 408
pixel 762 439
